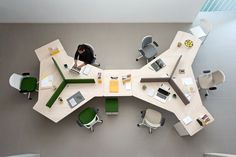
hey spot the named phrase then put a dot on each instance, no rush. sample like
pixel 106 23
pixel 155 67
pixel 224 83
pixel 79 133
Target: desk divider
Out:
pixel 89 80
pixel 58 68
pixel 63 85
pixel 56 94
pixel 159 79
pixel 179 92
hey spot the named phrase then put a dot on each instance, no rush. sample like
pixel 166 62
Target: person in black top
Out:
pixel 85 54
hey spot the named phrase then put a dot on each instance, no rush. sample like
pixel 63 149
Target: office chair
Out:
pixel 88 118
pixel 209 80
pixel 24 83
pixel 151 119
pixel 148 50
pixel 202 30
pixel 94 63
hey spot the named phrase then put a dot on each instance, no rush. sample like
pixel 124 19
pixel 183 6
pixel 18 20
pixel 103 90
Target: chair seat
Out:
pixel 205 81
pixel 153 117
pixel 28 84
pixel 87 115
pixel 149 51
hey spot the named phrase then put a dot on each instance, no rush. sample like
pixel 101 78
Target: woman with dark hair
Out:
pixel 85 54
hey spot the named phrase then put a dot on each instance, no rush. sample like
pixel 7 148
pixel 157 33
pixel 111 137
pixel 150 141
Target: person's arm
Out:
pixel 76 58
pixel 81 65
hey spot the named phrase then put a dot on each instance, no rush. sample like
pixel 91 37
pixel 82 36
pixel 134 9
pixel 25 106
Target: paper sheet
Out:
pixel 128 85
pixel 46 82
pixel 86 70
pixel 187 120
pixel 72 102
pixel 150 92
pixel 187 81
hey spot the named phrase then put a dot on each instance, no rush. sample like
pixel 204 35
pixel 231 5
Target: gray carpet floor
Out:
pixel 22 130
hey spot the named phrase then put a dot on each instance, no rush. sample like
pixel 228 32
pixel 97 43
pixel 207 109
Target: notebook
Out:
pixel 157 65
pixel 114 86
pixel 75 99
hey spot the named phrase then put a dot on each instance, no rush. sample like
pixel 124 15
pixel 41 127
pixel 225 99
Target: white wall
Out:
pixel 73 11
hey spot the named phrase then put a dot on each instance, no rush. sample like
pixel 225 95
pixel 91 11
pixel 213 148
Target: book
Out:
pixel 114 86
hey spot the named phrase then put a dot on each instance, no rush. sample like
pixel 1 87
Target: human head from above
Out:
pixel 81 49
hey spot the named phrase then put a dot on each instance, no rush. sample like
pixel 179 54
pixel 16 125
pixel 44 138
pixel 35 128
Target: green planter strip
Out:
pixel 56 94
pixel 80 80
pixel 58 68
pixel 63 84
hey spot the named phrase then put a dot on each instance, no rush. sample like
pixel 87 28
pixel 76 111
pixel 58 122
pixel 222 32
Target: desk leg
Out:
pixel 180 129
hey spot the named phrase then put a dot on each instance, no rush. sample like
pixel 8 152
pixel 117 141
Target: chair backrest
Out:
pixel 146 40
pixel 218 77
pixel 15 81
pixel 206 25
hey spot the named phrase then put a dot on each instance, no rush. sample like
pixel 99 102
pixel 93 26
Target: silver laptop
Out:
pixel 162 94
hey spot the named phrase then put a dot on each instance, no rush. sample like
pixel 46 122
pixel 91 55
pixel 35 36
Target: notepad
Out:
pixel 128 85
pixel 114 86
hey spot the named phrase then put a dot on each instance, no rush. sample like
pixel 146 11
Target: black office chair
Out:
pixel 94 63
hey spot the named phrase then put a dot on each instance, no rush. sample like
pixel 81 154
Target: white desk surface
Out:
pixel 58 111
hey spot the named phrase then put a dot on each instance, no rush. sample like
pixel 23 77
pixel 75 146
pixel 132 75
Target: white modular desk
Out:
pixel 58 111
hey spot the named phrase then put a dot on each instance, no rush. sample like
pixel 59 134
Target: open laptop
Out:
pixel 162 94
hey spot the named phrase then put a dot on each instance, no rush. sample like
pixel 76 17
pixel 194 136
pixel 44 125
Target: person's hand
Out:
pixel 75 65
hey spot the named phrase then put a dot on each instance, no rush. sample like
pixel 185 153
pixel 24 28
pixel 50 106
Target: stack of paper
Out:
pixel 46 83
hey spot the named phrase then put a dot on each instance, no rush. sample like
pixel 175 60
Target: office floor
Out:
pixel 22 130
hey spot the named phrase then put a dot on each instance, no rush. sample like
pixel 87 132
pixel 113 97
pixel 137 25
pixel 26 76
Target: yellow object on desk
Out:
pixel 114 86
pixel 53 51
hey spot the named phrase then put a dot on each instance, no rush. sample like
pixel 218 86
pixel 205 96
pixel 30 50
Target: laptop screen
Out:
pixel 164 92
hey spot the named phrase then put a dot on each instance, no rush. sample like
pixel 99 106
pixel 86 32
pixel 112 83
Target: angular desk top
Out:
pixel 58 111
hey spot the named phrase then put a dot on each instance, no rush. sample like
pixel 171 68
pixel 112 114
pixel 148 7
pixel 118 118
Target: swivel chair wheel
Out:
pixel 136 59
pixel 30 98
pixel 206 94
pixel 101 121
pixel 138 125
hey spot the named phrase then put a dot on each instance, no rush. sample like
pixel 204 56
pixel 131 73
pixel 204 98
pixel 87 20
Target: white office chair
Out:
pixel 15 81
pixel 23 83
pixel 202 30
pixel 94 63
pixel 151 119
pixel 209 80
pixel 148 51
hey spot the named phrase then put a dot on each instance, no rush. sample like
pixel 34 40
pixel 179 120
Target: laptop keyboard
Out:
pixel 161 96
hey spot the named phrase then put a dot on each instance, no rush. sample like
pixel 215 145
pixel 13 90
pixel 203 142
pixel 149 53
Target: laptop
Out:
pixel 75 69
pixel 157 65
pixel 162 94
